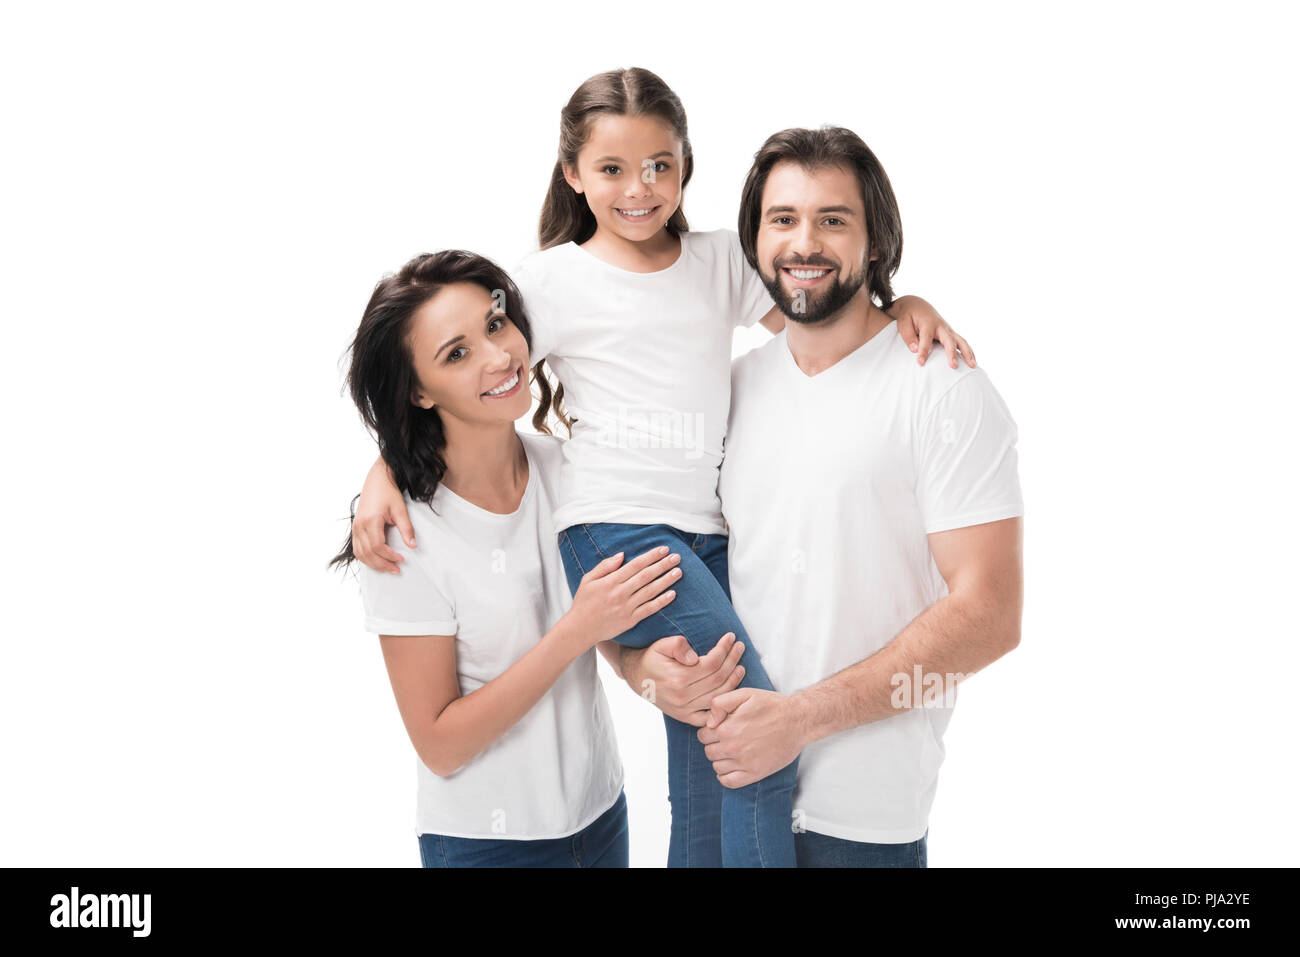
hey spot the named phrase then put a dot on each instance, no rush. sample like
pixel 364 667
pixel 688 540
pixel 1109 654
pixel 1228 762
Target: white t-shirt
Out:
pixel 830 485
pixel 645 363
pixel 497 584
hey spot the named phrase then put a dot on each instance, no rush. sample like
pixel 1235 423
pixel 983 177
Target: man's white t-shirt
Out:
pixel 496 583
pixel 830 486
pixel 644 359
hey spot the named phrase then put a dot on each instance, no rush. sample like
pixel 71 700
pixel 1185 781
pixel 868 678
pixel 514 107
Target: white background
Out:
pixel 198 201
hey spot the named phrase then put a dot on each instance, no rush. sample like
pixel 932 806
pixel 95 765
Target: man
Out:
pixel 874 514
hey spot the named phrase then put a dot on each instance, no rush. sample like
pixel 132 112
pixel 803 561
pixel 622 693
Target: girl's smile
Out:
pixel 630 174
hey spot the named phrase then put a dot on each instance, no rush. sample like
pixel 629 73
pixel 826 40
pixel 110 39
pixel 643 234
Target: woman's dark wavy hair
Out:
pixel 825 148
pixel 566 217
pixel 382 375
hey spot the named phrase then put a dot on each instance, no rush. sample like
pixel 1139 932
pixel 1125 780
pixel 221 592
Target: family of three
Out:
pixel 798 608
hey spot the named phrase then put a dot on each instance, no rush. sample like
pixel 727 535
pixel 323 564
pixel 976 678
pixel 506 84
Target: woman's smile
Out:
pixel 507 386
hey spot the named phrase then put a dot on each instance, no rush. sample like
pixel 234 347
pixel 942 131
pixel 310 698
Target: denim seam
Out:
pixel 442 849
pixel 577 563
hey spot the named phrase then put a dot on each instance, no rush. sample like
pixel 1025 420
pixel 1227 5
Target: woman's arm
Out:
pixel 449 730
pixel 381 505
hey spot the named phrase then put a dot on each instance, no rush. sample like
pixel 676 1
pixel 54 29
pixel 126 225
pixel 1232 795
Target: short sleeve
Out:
pixel 541 320
pixel 752 299
pixel 966 462
pixel 408 603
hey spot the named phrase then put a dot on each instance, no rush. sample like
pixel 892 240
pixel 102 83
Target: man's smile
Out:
pixel 806 276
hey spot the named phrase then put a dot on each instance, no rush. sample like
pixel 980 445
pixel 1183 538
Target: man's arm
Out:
pixel 974 625
pixel 751 734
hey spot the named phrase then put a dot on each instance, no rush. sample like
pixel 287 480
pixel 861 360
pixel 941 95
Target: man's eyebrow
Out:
pixel 847 210
pixel 492 311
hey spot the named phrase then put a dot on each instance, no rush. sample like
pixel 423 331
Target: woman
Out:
pixel 490 661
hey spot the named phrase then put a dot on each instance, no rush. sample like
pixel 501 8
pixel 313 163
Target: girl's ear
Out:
pixel 571 177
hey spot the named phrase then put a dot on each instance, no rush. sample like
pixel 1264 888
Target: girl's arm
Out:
pixel 920 325
pixel 449 730
pixel 774 321
pixel 381 505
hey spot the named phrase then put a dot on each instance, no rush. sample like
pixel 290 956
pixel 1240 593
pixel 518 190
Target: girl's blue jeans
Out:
pixel 712 826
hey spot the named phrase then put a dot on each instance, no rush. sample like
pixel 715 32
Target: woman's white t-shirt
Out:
pixel 645 360
pixel 496 583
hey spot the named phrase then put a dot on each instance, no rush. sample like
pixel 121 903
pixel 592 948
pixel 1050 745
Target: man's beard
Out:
pixel 814 308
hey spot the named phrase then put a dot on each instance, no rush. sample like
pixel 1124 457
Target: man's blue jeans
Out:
pixel 602 843
pixel 712 826
pixel 819 850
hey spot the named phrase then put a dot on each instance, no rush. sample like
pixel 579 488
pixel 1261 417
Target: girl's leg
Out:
pixel 771 810
pixel 755 824
pixel 694 794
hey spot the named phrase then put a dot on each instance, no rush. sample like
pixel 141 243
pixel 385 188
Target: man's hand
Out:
pixel 677 681
pixel 751 734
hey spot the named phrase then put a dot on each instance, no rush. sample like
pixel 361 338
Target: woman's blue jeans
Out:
pixel 712 826
pixel 602 843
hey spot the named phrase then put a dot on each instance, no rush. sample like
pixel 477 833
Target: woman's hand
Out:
pixel 381 505
pixel 614 596
pixel 673 678
pixel 920 326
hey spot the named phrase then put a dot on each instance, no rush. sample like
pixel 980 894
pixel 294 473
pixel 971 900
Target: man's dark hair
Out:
pixel 829 147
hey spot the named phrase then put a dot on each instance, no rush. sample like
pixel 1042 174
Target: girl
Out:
pixel 636 314
pixel 490 660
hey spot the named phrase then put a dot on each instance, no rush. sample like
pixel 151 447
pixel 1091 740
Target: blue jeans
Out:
pixel 602 843
pixel 712 826
pixel 818 850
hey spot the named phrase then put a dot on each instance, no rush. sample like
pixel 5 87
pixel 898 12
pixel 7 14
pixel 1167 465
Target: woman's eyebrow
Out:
pixel 446 344
pixel 492 311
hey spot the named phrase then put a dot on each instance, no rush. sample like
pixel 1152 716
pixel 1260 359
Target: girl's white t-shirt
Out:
pixel 645 362
pixel 496 583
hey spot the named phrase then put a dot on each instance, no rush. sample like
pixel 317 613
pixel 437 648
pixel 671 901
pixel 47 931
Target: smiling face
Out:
pixel 470 360
pixel 812 245
pixel 630 172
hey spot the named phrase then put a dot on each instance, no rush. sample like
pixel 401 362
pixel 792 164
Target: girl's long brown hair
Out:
pixel 566 217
